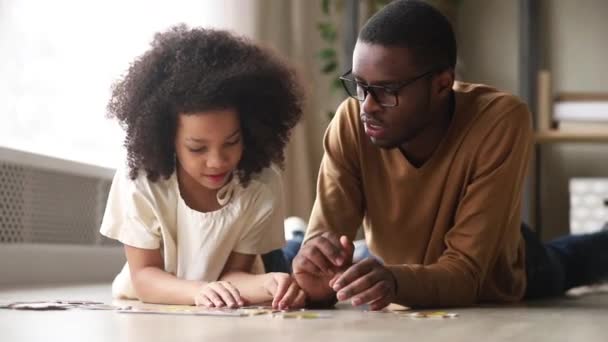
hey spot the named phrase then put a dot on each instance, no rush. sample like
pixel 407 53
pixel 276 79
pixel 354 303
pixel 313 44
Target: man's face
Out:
pixel 389 127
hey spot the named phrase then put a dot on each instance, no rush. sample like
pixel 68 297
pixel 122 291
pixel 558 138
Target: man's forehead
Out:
pixel 376 63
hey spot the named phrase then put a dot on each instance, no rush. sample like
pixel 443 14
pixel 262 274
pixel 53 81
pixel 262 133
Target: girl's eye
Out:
pixel 197 150
pixel 234 142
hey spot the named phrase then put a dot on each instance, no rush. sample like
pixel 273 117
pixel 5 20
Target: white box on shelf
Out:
pixel 594 111
pixel 588 204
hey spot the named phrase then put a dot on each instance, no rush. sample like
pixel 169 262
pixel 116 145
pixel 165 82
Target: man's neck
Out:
pixel 420 149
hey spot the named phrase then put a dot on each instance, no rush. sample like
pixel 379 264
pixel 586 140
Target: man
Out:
pixel 434 170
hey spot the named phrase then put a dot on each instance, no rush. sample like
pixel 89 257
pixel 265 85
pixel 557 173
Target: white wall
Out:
pixel 487 32
pixel 576 53
pixel 573 46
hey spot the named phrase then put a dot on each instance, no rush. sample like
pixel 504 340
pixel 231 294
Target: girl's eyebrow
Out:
pixel 235 133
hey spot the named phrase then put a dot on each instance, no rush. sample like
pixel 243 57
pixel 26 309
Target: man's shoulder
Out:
pixel 346 117
pixel 487 105
pixel 482 95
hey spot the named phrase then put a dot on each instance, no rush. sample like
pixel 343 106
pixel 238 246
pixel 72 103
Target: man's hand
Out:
pixel 318 261
pixel 367 282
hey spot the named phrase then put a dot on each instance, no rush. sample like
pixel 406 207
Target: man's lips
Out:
pixel 372 127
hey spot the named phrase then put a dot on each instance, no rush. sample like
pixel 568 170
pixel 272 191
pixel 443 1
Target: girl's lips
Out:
pixel 217 178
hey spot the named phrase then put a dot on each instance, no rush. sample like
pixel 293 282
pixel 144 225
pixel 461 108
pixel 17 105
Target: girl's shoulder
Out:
pixel 159 191
pixel 269 179
pixel 266 186
pixel 270 176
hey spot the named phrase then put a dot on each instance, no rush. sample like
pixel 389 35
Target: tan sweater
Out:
pixel 449 230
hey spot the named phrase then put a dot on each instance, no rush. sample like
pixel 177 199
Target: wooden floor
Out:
pixel 584 318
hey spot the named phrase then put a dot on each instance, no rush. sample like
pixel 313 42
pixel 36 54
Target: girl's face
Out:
pixel 208 146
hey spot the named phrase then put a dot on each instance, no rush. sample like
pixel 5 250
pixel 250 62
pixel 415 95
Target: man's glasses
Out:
pixel 385 96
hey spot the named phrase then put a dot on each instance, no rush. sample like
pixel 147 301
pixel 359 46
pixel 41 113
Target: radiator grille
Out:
pixel 44 206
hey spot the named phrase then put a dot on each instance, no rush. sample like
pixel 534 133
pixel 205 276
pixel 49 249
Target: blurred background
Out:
pixel 58 151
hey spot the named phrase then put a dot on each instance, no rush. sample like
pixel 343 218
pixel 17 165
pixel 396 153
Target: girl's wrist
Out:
pixel 197 287
pixel 269 283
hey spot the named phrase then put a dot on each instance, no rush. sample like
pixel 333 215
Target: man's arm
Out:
pixel 338 209
pixel 487 217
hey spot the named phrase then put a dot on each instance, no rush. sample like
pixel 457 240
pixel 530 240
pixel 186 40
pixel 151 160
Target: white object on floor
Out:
pixel 294 224
pixel 588 204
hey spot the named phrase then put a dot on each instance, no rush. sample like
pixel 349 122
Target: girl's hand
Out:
pixel 285 292
pixel 218 294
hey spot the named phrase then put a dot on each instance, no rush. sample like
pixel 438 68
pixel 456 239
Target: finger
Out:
pixel 332 249
pixel 354 272
pixel 221 289
pixel 318 258
pixel 235 293
pixel 301 264
pixel 202 300
pixel 348 246
pixel 333 280
pixel 214 297
pixel 282 285
pixel 378 291
pixel 289 296
pixel 379 304
pixel 300 300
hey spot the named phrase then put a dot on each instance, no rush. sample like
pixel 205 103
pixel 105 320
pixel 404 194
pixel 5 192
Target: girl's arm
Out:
pixel 152 284
pixel 279 288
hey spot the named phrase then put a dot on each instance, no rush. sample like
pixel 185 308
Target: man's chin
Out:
pixel 383 143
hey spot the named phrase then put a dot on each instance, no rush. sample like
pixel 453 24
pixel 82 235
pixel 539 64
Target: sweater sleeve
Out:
pixel 339 205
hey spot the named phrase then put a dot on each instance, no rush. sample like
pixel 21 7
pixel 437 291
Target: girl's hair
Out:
pixel 193 70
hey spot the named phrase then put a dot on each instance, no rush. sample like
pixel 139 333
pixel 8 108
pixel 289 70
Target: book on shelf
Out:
pixel 581 111
pixel 571 112
pixel 589 127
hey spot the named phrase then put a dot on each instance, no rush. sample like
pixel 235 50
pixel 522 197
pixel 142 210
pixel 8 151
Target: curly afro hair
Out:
pixel 193 70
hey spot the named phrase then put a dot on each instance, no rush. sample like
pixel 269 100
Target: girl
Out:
pixel 207 115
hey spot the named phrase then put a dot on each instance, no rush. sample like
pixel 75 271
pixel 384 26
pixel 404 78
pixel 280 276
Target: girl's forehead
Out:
pixel 208 125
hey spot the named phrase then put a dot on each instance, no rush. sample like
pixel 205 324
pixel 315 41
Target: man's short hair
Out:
pixel 415 25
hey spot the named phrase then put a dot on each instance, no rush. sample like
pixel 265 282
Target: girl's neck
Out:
pixel 196 196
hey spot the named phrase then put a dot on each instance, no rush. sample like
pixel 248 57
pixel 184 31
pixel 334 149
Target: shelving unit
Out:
pixel 557 136
pixel 548 138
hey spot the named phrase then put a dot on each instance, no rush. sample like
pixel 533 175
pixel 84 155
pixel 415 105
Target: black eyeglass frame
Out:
pixel 393 89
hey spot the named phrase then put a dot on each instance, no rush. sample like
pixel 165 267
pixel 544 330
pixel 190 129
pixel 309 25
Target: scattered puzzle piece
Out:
pixel 302 315
pixel 184 310
pixel 40 306
pixel 432 314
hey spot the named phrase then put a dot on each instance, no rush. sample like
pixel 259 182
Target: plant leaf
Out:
pixel 329 67
pixel 325 6
pixel 327 53
pixel 328 31
pixel 336 84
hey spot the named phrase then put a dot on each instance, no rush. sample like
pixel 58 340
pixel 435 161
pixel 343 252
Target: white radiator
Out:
pixel 50 213
pixel 588 204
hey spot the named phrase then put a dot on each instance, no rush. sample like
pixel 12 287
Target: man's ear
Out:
pixel 444 82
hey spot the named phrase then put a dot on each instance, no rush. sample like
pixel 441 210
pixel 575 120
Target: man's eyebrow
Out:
pixel 378 83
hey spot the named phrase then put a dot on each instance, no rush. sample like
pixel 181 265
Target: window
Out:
pixel 59 59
